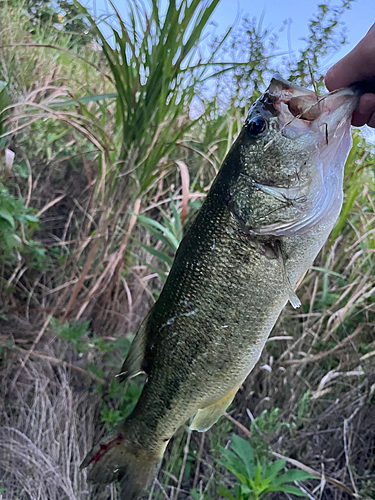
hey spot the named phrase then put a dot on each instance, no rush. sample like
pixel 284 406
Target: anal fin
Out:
pixel 208 416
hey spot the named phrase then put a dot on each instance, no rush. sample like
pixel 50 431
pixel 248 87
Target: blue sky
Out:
pixel 358 19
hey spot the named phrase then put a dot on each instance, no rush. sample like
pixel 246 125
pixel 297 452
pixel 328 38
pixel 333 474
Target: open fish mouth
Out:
pixel 299 109
pixel 322 124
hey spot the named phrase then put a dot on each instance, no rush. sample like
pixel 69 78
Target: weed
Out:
pixel 264 429
pixel 302 408
pixel 17 223
pixel 256 477
pixel 72 333
pixel 4 103
pixel 117 401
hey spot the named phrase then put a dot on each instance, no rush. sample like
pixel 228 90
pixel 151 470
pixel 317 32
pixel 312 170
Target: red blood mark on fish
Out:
pixel 106 447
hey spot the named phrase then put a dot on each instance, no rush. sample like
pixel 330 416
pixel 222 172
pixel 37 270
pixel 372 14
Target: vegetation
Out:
pixel 104 163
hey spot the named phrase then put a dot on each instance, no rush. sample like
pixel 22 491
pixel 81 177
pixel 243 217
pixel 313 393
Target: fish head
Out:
pixel 292 151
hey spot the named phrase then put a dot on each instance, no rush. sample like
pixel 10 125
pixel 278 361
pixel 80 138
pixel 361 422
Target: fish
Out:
pixel 268 213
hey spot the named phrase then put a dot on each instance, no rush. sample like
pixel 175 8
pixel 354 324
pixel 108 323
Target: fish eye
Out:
pixel 257 125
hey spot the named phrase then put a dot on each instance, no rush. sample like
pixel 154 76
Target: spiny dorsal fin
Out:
pixel 133 362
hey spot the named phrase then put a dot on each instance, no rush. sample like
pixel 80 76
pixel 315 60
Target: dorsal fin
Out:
pixel 132 365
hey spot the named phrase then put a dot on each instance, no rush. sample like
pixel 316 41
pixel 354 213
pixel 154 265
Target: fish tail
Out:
pixel 120 457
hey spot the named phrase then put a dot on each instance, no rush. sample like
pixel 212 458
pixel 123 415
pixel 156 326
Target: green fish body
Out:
pixel 269 211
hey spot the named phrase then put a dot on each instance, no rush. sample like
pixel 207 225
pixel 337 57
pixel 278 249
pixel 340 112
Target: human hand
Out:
pixel 357 66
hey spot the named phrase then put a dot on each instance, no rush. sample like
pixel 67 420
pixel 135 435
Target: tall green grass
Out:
pixel 154 61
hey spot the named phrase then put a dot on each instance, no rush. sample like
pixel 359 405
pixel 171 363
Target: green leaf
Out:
pixel 21 169
pixel 4 103
pixel 4 214
pixel 246 489
pixel 273 469
pixel 96 371
pixel 195 494
pixel 258 475
pixel 10 241
pixel 327 271
pixel 292 475
pixel 244 450
pixel 234 465
pixel 83 100
pixel 288 488
pixel 224 492
pixel 351 195
pixel 177 218
pixel 160 255
pixel 169 239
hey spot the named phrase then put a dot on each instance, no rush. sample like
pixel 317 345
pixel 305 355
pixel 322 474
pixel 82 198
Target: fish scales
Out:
pixel 217 289
pixel 267 215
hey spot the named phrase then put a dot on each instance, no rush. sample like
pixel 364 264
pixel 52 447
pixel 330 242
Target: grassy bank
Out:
pixel 102 169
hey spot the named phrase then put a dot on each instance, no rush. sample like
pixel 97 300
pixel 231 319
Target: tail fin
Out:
pixel 118 458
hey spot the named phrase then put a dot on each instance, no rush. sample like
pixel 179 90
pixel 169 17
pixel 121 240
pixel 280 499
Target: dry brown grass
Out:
pixel 47 422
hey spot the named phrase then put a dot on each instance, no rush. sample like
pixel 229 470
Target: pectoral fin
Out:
pixel 293 299
pixel 296 286
pixel 133 362
pixel 206 417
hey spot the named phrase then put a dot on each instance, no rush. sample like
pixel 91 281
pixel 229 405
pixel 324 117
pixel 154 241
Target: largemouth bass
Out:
pixel 269 211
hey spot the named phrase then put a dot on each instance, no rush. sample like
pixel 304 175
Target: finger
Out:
pixel 356 66
pixel 364 110
pixel 359 120
pixel 367 104
pixel 371 121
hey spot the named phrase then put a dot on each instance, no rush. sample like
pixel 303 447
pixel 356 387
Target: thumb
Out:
pixel 356 66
